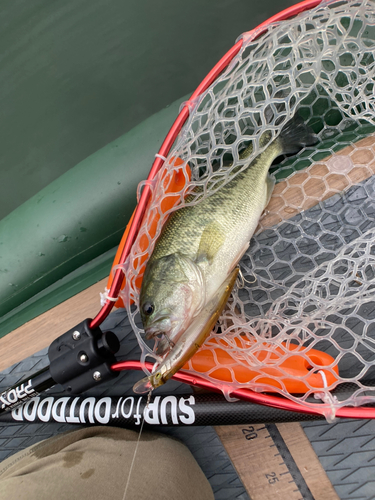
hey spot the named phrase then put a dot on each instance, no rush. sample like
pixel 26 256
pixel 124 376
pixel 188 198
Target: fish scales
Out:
pixel 236 207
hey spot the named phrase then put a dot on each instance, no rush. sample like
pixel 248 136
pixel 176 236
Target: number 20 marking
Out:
pixel 249 433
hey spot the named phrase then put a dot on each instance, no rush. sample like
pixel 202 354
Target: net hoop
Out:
pixel 172 135
pixel 326 407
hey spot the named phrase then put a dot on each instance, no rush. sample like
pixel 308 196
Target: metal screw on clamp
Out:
pixel 76 335
pixel 82 357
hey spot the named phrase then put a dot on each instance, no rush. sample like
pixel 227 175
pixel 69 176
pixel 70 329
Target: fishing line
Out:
pixel 242 280
pixel 136 446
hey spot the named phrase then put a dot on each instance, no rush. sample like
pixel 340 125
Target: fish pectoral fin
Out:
pixel 211 241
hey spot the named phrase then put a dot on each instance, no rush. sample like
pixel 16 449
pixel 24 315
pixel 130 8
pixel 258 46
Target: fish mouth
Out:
pixel 154 331
pixel 162 334
pixel 162 325
pixel 164 343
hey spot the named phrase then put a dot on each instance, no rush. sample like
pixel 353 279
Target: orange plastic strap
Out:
pixel 294 373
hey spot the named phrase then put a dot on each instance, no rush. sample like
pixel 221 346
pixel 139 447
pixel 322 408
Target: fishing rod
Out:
pixel 158 411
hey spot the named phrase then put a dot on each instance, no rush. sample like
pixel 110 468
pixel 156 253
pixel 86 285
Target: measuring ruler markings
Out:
pixel 276 462
pixel 293 473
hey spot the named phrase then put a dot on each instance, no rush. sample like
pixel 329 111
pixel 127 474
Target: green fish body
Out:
pixel 200 245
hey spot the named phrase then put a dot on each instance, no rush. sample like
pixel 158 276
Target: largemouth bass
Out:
pixel 200 245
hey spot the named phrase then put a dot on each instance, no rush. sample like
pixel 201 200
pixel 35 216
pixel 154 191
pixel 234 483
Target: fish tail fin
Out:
pixel 296 135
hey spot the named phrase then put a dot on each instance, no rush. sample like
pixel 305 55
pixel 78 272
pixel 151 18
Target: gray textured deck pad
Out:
pixel 285 253
pixel 346 449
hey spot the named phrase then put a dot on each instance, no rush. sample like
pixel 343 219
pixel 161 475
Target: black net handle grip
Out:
pixel 79 359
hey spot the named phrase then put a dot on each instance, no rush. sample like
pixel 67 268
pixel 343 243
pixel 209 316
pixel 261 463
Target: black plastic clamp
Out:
pixel 82 357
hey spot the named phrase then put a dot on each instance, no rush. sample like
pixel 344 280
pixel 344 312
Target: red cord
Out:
pixel 168 142
pixel 249 395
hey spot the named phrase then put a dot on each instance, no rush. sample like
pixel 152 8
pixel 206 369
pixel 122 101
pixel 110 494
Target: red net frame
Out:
pixel 278 402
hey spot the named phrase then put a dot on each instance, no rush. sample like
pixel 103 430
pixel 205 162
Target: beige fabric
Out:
pixel 93 464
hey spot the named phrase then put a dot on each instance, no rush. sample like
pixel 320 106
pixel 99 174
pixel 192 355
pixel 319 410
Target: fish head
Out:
pixel 172 295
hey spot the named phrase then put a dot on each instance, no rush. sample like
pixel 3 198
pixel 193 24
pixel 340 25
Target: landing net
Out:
pixel 309 273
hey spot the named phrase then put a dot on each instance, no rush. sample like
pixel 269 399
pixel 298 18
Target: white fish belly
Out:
pixel 239 233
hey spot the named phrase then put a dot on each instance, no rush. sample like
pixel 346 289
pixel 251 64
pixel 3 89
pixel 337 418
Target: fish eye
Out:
pixel 148 308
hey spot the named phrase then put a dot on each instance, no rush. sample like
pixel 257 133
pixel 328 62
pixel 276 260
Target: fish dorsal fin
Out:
pixel 211 241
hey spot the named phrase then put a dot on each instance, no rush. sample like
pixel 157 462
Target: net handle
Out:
pixel 170 139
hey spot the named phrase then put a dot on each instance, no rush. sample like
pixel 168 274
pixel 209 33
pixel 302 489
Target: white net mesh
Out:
pixel 309 272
